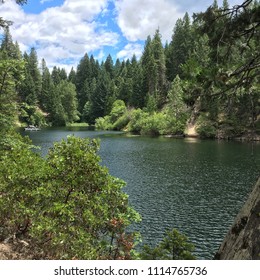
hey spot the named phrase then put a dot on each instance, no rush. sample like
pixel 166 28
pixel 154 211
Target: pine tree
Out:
pixel 179 47
pixel 83 78
pixel 109 66
pixel 149 69
pixel 117 68
pixel 154 70
pixel 159 57
pixel 30 89
pixel 94 68
pixel 47 89
pixel 34 71
pixel 63 74
pixel 8 48
pixel 125 85
pixel 72 76
pixel 87 114
pixel 136 99
pixel 27 91
pixel 55 76
pixel 225 5
pixel 99 98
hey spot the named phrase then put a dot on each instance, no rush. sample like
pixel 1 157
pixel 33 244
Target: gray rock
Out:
pixel 242 242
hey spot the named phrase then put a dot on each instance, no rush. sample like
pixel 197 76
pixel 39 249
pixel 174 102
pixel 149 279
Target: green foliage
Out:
pixel 121 122
pixel 8 47
pixel 156 123
pixel 11 74
pixel 176 109
pixel 174 125
pixel 116 120
pixel 77 125
pixel 179 47
pixel 154 70
pixel 103 123
pixel 151 105
pixel 31 115
pixel 67 93
pixel 30 88
pixel 153 124
pixel 67 204
pixel 174 246
pixel 99 97
pixel 206 127
pixel 118 110
pixel 136 120
pixel 233 64
pixel 21 172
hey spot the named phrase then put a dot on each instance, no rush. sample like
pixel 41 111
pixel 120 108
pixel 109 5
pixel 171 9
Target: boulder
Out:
pixel 242 242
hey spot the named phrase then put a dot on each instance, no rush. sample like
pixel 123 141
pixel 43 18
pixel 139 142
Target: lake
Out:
pixel 196 186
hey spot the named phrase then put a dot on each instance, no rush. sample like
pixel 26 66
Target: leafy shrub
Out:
pixel 103 123
pixel 153 124
pixel 142 121
pixel 67 204
pixel 206 128
pixel 116 120
pixel 151 104
pixel 22 171
pixel 118 109
pixel 207 131
pixel 121 122
pixel 174 246
pixel 31 115
pixel 156 123
pixel 137 119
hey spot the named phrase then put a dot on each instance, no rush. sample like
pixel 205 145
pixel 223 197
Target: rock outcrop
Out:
pixel 242 242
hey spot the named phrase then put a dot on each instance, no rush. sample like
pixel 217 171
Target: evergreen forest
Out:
pixel 204 82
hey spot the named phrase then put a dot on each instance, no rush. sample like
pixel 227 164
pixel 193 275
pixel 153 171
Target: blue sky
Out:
pixel 62 31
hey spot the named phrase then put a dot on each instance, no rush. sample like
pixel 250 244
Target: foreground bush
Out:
pixel 67 204
pixel 174 246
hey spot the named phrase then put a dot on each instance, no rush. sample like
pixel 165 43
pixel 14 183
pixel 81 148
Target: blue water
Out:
pixel 195 186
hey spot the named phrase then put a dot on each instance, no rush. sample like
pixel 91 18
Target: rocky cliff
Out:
pixel 242 242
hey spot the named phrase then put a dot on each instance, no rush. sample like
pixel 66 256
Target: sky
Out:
pixel 62 31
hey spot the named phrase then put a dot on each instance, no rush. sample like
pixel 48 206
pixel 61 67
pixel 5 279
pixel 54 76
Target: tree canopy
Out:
pixel 214 54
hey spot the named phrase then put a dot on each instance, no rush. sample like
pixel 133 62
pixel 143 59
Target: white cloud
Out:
pixel 129 50
pixel 138 19
pixel 13 12
pixel 62 32
pixel 84 10
pixel 44 1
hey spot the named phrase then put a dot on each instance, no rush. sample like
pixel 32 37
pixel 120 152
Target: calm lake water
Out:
pixel 193 185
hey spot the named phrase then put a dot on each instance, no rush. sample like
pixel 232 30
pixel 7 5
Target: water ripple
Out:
pixel 197 187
